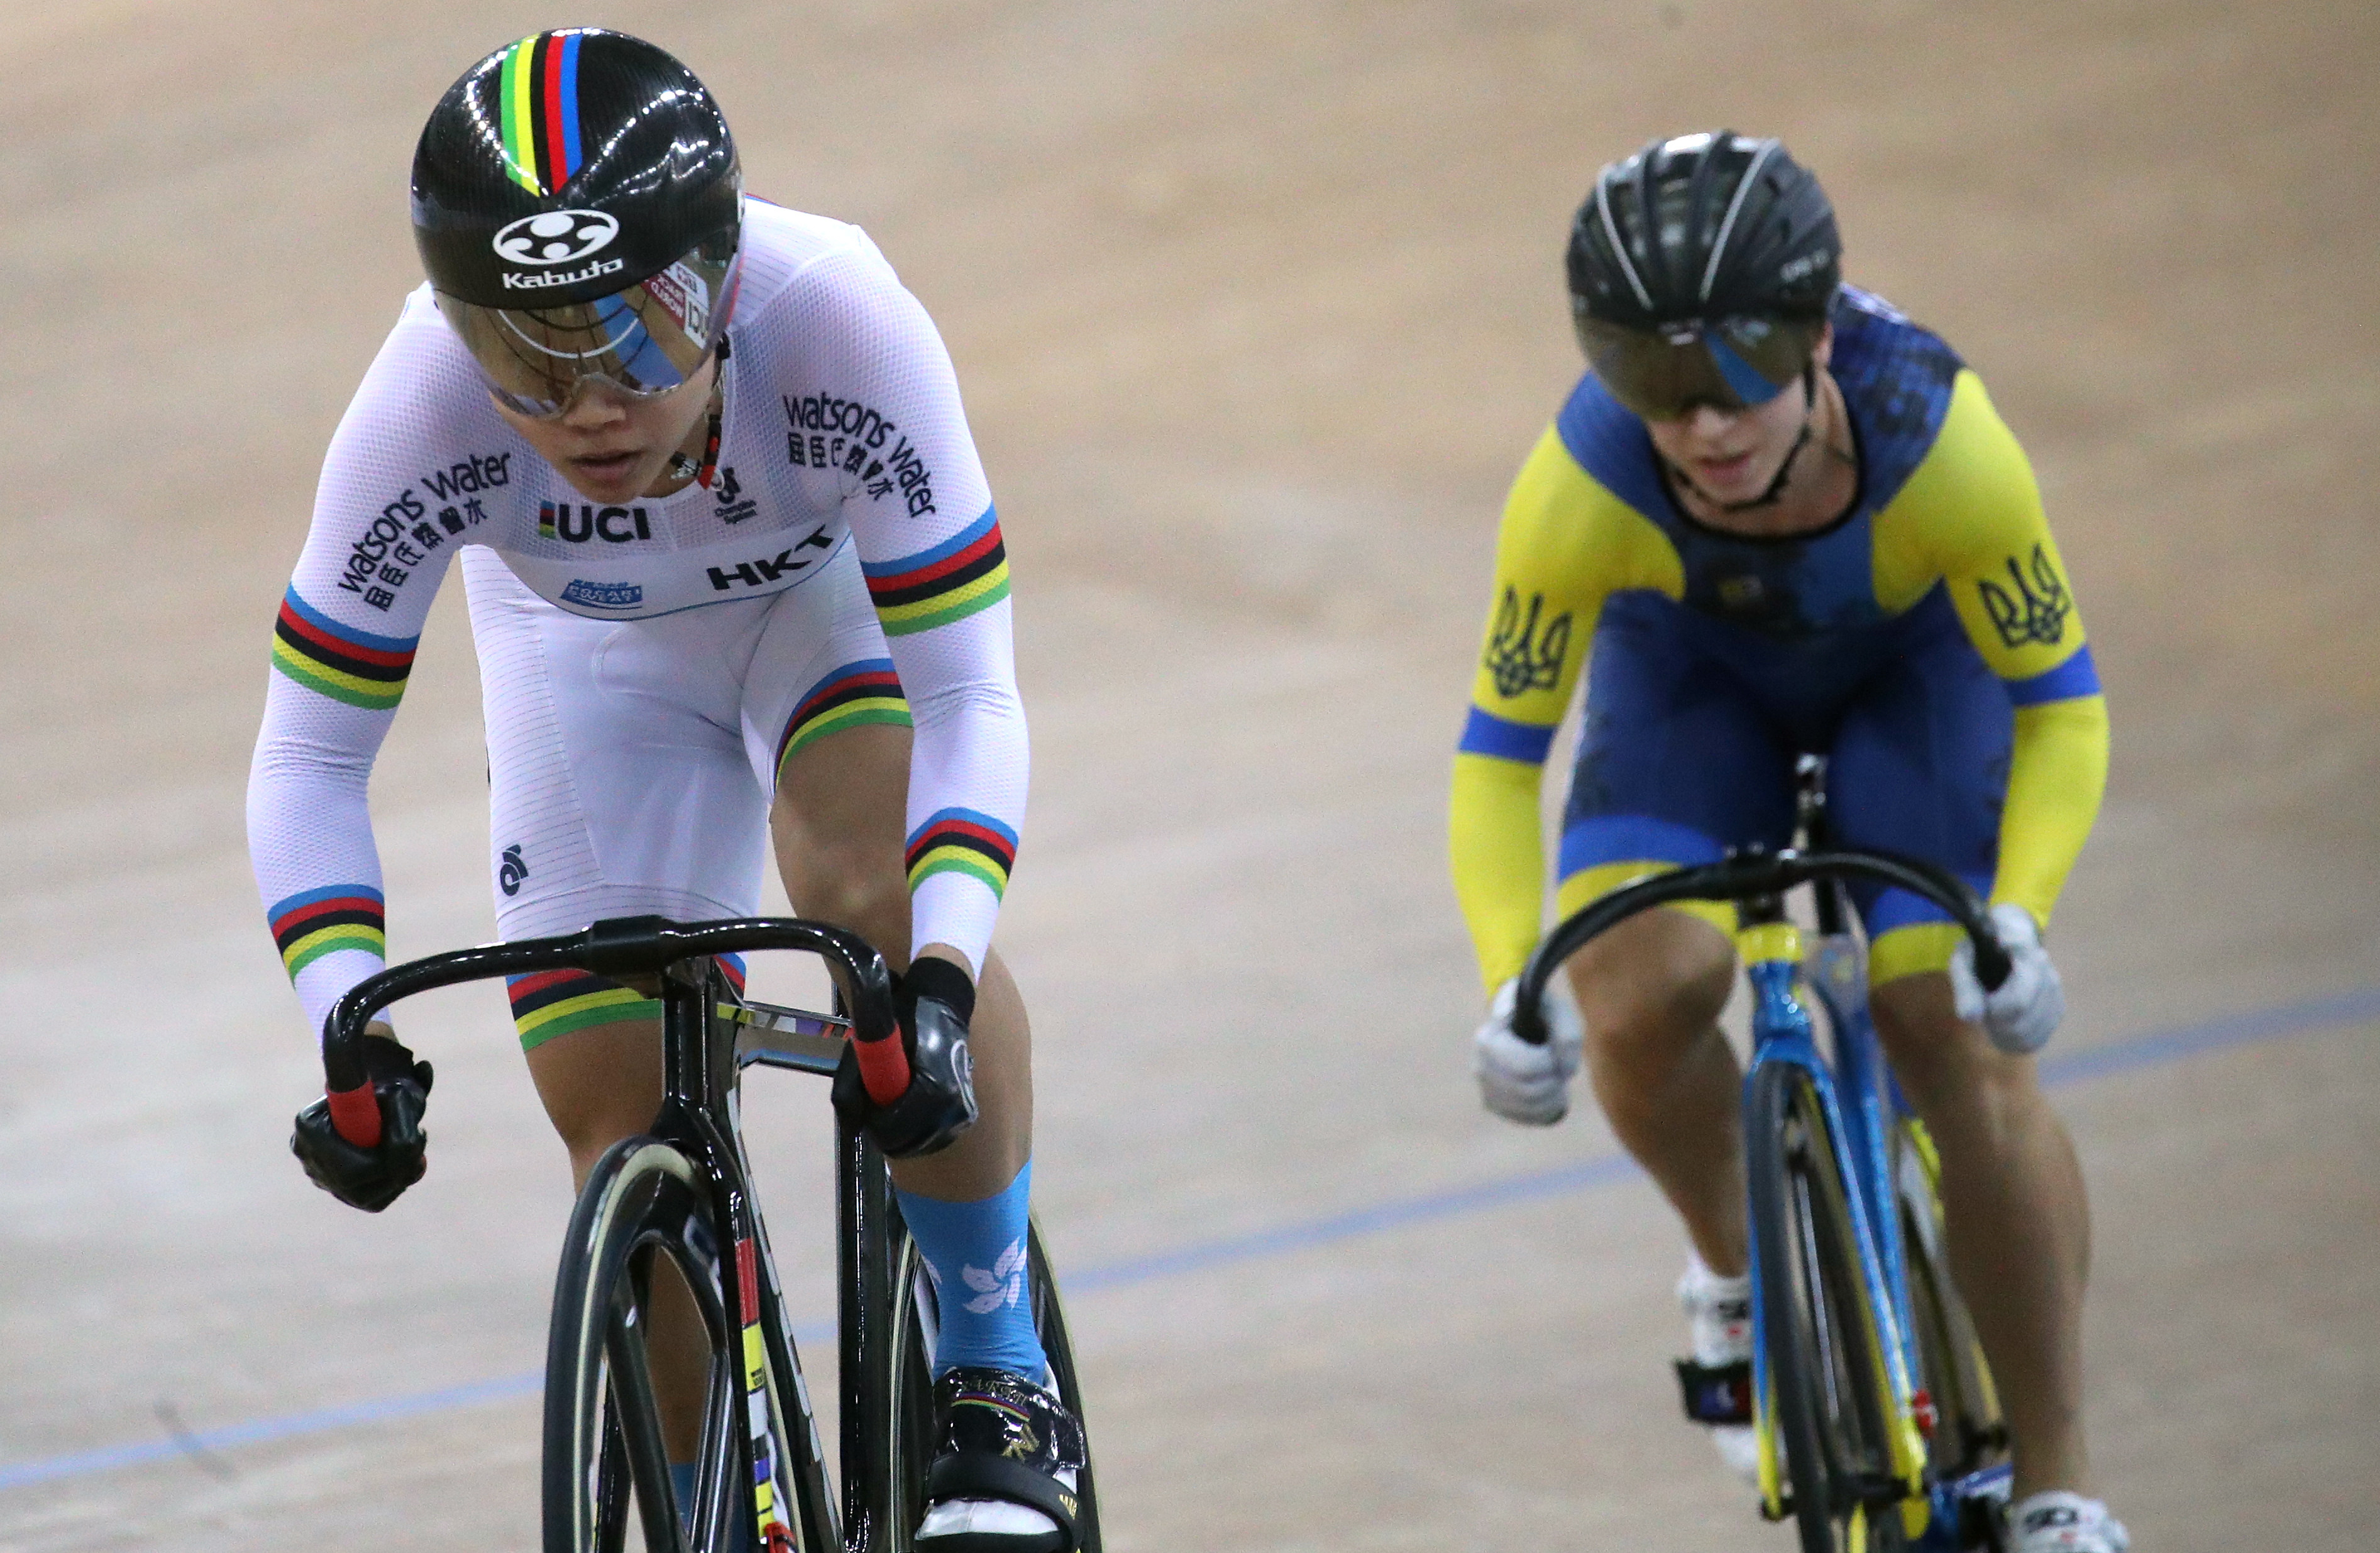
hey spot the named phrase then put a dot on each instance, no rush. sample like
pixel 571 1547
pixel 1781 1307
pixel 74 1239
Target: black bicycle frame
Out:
pixel 697 1069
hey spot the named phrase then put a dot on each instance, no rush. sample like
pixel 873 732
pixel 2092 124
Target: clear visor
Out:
pixel 1730 364
pixel 645 340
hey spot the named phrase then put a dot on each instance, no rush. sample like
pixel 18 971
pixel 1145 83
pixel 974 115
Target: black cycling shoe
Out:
pixel 1004 1475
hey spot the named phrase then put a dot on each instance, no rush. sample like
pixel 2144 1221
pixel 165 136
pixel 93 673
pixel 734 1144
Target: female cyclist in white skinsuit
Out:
pixel 726 542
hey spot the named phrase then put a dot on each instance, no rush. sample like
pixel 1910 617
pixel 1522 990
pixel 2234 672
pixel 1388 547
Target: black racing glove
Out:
pixel 934 1001
pixel 371 1176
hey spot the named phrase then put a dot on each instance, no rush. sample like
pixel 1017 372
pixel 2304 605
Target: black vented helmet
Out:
pixel 578 205
pixel 1701 269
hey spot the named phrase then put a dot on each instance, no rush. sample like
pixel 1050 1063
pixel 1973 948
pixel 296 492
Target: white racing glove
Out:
pixel 2024 1013
pixel 1521 1081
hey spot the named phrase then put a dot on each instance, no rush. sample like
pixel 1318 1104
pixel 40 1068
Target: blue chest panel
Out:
pixel 1815 590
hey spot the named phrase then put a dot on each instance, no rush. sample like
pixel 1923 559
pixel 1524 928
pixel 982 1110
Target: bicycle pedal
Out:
pixel 1717 1393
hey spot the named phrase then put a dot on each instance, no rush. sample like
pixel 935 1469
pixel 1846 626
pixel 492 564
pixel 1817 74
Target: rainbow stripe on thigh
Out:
pixel 554 1003
pixel 856 695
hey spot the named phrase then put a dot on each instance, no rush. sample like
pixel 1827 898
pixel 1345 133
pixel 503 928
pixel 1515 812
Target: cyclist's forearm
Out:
pixel 969 771
pixel 311 841
pixel 2056 776
pixel 1496 850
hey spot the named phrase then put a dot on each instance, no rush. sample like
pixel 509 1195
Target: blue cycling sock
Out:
pixel 975 1254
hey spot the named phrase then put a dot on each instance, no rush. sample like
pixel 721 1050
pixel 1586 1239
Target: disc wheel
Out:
pixel 1818 1334
pixel 912 1413
pixel 639 1332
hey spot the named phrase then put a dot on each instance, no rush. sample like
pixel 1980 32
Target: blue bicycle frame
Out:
pixel 1862 1106
pixel 1781 1032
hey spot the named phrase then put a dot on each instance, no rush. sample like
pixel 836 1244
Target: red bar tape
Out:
pixel 356 1113
pixel 884 1069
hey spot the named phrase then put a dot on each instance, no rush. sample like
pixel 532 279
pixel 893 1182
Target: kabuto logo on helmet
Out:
pixel 551 278
pixel 555 237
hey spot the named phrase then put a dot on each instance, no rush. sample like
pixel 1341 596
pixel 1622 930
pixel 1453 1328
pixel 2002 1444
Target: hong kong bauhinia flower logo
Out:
pixel 1001 1285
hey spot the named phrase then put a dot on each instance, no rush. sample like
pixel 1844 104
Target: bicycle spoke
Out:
pixel 719 1498
pixel 639 1418
pixel 608 1475
pixel 1822 1330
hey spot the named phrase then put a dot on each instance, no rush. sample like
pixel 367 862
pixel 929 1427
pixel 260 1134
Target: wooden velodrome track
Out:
pixel 1256 308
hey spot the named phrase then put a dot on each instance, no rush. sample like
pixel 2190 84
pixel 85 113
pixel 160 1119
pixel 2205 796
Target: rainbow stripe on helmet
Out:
pixel 538 94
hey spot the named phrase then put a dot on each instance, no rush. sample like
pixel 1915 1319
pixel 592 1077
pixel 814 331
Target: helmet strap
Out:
pixel 710 451
pixel 704 472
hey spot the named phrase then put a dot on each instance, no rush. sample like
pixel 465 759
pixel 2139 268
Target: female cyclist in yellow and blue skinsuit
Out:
pixel 1777 517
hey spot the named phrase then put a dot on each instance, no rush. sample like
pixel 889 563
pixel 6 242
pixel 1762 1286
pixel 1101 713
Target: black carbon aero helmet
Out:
pixel 1701 271
pixel 578 202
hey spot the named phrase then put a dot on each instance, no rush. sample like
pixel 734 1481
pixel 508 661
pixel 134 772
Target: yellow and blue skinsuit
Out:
pixel 1927 643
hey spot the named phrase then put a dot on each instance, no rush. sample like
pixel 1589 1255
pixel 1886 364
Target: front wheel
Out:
pixel 640 1370
pixel 912 1413
pixel 1829 1399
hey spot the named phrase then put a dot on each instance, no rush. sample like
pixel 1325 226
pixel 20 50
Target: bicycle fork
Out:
pixel 1782 1033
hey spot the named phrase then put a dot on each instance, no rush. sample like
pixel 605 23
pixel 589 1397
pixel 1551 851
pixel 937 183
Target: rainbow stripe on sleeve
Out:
pixel 855 694
pixel 965 574
pixel 338 661
pixel 307 927
pixel 540 93
pixel 552 1003
pixel 966 841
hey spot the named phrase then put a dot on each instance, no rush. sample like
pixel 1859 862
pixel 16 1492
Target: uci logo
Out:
pixel 555 237
pixel 581 522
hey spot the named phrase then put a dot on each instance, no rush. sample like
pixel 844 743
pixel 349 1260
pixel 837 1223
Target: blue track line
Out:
pixel 2155 1050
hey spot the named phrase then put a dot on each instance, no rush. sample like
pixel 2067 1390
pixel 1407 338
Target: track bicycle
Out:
pixel 1874 1410
pixel 680 1197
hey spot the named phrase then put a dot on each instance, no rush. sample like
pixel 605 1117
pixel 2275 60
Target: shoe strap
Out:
pixel 992 1412
pixel 974 1475
pixel 1717 1393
